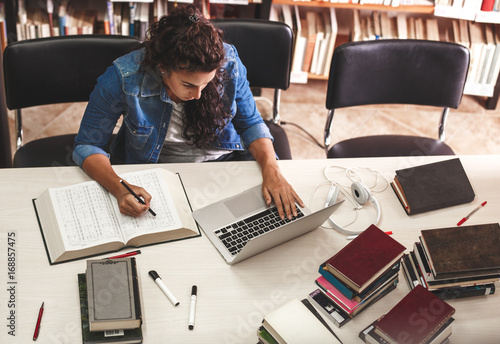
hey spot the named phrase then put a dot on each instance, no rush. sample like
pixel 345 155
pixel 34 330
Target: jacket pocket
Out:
pixel 138 135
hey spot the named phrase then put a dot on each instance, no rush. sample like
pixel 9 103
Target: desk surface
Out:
pixel 232 300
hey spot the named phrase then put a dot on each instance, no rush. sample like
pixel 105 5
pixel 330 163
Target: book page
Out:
pixel 85 215
pixel 162 204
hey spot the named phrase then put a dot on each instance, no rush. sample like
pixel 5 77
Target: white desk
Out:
pixel 231 300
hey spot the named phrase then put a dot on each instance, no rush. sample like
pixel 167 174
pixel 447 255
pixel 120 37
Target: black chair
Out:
pixel 52 71
pixel 5 146
pixel 395 72
pixel 265 48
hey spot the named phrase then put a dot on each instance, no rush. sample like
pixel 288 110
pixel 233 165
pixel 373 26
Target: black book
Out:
pixel 432 186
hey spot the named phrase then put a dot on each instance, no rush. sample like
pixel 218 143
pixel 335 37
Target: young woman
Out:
pixel 184 97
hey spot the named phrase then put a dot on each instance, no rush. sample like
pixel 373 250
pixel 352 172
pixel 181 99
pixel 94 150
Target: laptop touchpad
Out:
pixel 246 203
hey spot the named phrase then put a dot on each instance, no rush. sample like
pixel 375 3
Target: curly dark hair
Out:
pixel 184 39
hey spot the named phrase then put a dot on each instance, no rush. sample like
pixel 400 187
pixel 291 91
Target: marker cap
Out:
pixel 153 274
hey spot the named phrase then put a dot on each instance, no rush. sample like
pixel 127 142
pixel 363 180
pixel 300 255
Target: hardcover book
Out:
pixel 369 335
pixel 447 292
pixel 328 308
pixel 463 251
pixel 114 301
pixel 132 336
pixel 433 283
pixel 293 323
pixel 84 220
pixel 432 186
pixel 365 258
pixel 419 306
pixel 351 294
pixel 353 307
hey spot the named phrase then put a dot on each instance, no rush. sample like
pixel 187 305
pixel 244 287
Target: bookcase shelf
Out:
pixel 423 9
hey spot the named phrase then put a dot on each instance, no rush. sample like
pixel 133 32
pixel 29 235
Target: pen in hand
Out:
pixel 137 197
pixel 38 321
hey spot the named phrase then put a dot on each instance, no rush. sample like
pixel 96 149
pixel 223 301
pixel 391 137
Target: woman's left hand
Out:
pixel 274 185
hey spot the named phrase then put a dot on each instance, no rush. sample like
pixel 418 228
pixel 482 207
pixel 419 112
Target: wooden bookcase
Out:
pixel 262 10
pixel 426 11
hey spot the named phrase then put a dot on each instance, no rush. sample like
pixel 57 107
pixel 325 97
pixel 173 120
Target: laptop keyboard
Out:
pixel 236 235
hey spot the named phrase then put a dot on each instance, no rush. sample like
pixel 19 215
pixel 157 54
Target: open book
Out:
pixel 83 220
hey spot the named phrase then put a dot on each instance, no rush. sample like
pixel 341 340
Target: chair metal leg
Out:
pixel 19 128
pixel 328 130
pixel 442 124
pixel 276 106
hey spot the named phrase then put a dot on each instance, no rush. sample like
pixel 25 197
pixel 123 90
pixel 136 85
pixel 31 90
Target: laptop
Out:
pixel 243 225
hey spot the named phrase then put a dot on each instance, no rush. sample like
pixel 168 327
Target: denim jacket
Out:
pixel 125 88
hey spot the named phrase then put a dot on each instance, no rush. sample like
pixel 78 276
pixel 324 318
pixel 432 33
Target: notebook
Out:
pixel 243 225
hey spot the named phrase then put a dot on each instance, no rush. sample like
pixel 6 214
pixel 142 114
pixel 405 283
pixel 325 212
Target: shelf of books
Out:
pixel 320 27
pixel 31 19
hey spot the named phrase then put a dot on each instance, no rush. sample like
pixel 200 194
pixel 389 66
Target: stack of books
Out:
pixel 295 322
pixel 420 317
pixel 455 262
pixel 358 275
pixel 110 302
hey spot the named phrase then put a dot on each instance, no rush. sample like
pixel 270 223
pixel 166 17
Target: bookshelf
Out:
pixel 263 8
pixel 352 6
pixel 483 81
pixel 36 12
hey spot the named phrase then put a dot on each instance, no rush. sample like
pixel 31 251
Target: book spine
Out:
pixel 135 286
pixel 111 17
pixel 487 5
pixel 452 293
pixel 336 283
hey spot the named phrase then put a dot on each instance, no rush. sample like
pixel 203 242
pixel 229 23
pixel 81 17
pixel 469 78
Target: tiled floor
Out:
pixel 470 130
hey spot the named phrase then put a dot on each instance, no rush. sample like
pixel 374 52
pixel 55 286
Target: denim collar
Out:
pixel 152 85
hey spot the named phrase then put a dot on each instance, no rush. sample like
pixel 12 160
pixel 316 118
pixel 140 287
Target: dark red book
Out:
pixel 365 258
pixel 415 319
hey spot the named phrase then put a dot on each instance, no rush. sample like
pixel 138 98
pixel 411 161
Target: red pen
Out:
pixel 472 212
pixel 38 321
pixel 133 253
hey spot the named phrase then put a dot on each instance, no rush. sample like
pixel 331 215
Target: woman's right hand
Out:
pixel 129 205
pixel 98 167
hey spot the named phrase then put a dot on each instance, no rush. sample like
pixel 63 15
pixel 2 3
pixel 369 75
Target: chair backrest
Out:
pixel 264 47
pixel 5 146
pixel 59 69
pixel 398 72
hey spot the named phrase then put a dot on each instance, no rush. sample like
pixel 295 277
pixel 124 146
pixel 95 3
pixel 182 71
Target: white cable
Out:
pixel 354 177
pixel 356 206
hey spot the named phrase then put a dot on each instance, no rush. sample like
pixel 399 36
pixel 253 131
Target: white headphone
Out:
pixel 361 195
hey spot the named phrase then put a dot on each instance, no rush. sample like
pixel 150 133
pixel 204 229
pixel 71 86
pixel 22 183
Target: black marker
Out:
pixel 137 197
pixel 192 307
pixel 154 275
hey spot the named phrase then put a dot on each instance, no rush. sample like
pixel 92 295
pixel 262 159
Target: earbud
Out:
pixel 360 192
pixel 361 195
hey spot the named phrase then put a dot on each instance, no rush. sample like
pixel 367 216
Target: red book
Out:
pixel 487 5
pixel 365 258
pixel 415 319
